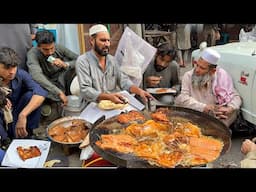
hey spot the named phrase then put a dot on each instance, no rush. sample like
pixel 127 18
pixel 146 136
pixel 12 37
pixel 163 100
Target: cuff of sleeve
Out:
pixel 201 107
pixel 233 106
pixel 251 155
pixel 68 65
pixel 248 163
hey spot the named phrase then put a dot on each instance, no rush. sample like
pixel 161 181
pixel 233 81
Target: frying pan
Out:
pixel 209 125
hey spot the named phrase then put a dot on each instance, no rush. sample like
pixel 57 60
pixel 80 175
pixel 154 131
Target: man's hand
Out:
pixel 59 63
pixel 145 95
pixel 209 108
pixel 116 98
pixel 153 81
pixel 8 104
pixel 63 98
pixel 222 112
pixel 20 129
pixel 248 146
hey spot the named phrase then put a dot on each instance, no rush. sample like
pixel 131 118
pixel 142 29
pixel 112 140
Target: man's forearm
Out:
pixel 34 103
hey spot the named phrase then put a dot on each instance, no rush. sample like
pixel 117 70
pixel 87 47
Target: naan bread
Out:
pixel 109 105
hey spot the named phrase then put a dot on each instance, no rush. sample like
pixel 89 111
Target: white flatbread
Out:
pixel 109 105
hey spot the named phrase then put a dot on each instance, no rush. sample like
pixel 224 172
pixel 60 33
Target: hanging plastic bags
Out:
pixel 133 54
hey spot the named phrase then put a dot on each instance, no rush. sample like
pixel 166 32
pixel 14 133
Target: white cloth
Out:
pixel 249 161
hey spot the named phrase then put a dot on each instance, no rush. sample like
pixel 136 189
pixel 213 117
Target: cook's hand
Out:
pixel 20 129
pixel 248 146
pixel 153 81
pixel 116 98
pixel 145 95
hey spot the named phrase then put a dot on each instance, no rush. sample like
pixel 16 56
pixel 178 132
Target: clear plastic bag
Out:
pixel 133 54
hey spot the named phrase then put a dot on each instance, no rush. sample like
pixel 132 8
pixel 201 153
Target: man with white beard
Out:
pixel 209 88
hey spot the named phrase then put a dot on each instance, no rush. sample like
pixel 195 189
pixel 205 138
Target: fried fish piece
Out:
pixel 121 143
pixel 28 152
pixel 130 116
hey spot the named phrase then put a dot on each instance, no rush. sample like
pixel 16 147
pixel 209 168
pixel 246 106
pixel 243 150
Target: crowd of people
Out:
pixel 43 73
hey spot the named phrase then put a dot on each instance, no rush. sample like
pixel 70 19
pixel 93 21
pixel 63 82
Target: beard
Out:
pixel 200 81
pixel 159 68
pixel 102 52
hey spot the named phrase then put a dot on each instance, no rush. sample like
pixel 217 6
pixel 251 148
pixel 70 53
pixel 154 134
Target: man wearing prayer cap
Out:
pixel 209 88
pixel 97 28
pixel 98 72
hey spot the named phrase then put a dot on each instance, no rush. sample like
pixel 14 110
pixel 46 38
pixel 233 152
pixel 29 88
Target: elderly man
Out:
pixel 209 88
pixel 98 74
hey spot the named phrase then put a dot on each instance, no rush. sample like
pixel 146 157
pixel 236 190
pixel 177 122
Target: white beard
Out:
pixel 200 82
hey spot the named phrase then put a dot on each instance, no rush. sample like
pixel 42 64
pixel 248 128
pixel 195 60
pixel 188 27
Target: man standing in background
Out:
pixel 17 37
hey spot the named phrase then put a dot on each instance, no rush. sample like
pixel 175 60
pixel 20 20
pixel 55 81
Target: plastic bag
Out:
pixel 133 54
pixel 247 36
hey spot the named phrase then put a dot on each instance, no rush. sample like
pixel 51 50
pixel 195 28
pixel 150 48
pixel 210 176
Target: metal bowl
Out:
pixel 66 122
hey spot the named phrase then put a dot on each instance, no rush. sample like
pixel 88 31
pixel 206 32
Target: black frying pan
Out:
pixel 208 124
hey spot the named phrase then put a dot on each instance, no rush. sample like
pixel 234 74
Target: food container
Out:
pixel 66 122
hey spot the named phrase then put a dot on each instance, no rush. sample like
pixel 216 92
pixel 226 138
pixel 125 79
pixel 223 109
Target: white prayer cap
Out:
pixel 97 28
pixel 211 56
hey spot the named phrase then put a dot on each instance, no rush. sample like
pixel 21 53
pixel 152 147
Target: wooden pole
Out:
pixel 81 38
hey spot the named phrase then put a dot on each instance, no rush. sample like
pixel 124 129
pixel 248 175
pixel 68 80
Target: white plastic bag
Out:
pixel 133 54
pixel 247 36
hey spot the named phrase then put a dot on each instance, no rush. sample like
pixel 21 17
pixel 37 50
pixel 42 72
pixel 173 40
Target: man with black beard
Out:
pixel 163 72
pixel 98 73
pixel 209 88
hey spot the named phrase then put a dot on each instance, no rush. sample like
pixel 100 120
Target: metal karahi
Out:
pixel 209 127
